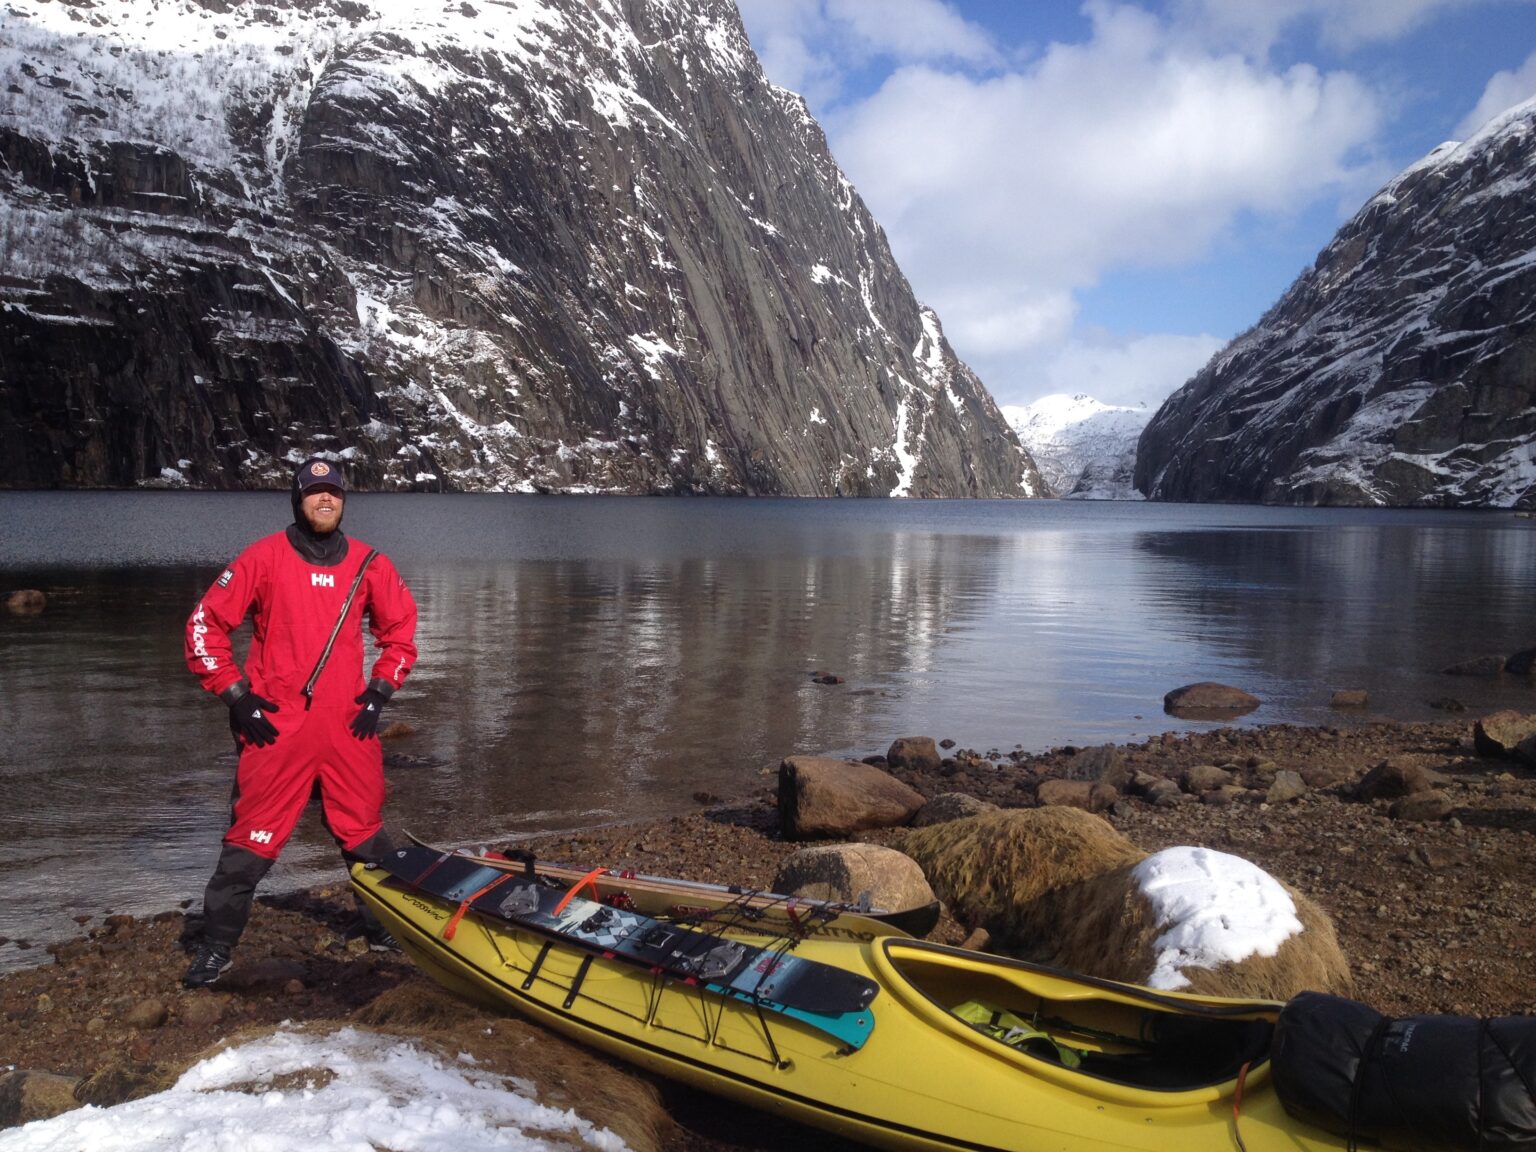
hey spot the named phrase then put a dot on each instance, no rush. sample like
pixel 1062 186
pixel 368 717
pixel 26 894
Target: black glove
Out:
pixel 366 723
pixel 248 715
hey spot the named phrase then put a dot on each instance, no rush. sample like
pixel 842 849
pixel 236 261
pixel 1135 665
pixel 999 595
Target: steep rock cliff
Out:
pixel 1399 370
pixel 484 244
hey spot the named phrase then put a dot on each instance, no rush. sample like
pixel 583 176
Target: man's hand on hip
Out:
pixel 365 725
pixel 248 716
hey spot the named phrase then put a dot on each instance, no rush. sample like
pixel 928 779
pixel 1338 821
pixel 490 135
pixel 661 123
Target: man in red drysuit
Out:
pixel 303 719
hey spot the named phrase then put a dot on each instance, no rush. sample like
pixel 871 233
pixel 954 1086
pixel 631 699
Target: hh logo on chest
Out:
pixel 321 580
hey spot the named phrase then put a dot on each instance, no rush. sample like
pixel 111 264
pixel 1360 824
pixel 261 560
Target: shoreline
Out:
pixel 1435 916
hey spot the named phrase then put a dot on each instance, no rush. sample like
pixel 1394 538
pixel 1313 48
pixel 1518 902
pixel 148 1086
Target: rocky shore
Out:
pixel 1419 842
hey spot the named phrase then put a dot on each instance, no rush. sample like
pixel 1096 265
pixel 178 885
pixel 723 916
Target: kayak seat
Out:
pixel 1169 1052
pixel 1186 1052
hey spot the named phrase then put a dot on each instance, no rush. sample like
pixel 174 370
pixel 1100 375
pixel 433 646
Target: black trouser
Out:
pixel 227 899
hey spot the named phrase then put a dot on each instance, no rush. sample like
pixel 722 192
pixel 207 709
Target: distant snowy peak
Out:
pixel 1085 449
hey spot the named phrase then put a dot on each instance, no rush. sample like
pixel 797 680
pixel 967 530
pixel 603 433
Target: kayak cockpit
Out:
pixel 1066 1026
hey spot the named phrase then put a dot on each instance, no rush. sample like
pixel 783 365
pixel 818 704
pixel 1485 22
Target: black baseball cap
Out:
pixel 317 473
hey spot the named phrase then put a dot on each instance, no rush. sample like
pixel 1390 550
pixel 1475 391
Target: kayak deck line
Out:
pixel 648 1018
pixel 762 972
pixel 701 901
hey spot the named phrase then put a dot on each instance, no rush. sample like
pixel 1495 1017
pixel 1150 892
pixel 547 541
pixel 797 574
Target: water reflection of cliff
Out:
pixel 97 727
pixel 624 686
pixel 1382 606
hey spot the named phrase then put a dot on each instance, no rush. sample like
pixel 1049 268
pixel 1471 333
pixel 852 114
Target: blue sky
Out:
pixel 1095 197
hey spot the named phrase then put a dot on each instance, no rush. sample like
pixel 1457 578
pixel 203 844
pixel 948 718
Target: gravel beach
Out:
pixel 1436 914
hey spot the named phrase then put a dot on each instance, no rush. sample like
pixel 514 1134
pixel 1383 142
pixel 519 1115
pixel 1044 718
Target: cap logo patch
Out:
pixel 319 468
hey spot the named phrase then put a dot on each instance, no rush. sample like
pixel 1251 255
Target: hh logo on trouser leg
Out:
pixel 262 837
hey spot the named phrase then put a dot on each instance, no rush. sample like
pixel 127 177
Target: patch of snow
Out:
pixel 906 459
pixel 1212 909
pixel 350 1089
pixel 653 350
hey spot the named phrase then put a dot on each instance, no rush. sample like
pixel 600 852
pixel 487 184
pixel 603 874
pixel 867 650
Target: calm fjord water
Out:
pixel 587 659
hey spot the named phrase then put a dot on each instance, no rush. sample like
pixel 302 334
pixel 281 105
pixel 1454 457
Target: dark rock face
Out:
pixel 1399 370
pixel 551 245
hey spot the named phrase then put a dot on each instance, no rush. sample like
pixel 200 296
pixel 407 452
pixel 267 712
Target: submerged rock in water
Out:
pixel 1208 698
pixel 26 602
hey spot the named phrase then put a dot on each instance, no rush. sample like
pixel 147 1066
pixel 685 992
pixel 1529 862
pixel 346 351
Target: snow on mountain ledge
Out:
pixel 1085 450
pixel 521 245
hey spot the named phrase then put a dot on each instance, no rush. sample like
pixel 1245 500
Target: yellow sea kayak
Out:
pixel 1090 1064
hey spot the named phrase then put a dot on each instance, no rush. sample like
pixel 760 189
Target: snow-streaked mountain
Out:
pixel 1400 369
pixel 1084 449
pixel 571 245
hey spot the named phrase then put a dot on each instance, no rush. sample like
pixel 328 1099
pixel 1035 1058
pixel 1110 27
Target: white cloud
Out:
pixel 1114 370
pixel 1257 24
pixel 1502 92
pixel 810 45
pixel 915 30
pixel 1003 194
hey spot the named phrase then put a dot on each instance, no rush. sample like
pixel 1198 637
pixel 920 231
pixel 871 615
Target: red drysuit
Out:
pixel 296 604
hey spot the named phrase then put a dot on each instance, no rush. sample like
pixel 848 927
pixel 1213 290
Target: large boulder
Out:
pixel 1502 733
pixel 917 753
pixel 1209 699
pixel 846 872
pixel 993 869
pixel 824 797
pixel 1200 921
pixel 1062 887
